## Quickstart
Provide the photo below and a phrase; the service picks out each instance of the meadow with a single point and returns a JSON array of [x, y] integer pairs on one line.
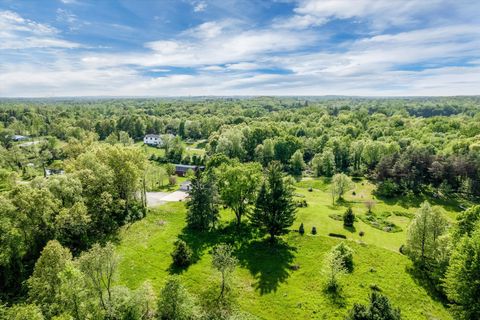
[[286, 281]]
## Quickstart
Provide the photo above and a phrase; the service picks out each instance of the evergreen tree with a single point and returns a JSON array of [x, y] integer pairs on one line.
[[301, 230], [175, 302], [378, 309], [275, 209], [348, 218], [182, 254], [203, 204]]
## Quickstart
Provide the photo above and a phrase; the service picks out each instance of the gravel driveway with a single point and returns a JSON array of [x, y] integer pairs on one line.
[[158, 198]]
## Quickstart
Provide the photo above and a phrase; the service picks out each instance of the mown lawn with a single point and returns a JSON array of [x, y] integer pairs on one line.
[[285, 281]]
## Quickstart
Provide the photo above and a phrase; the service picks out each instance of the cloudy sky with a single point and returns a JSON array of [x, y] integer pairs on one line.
[[244, 47]]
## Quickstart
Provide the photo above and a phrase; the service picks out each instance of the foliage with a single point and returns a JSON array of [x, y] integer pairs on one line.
[[463, 277], [203, 204], [274, 209], [378, 308], [182, 254], [45, 282], [224, 262], [301, 229], [424, 233], [334, 269], [341, 183], [346, 255], [175, 302], [348, 218], [238, 184]]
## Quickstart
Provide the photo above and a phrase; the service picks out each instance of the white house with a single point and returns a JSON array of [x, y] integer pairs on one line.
[[152, 139]]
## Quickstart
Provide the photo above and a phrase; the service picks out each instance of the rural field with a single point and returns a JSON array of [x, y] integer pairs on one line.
[[266, 284]]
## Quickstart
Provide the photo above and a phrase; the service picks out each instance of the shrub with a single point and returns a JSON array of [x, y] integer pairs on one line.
[[348, 218], [302, 203], [182, 254], [361, 233], [337, 235], [346, 255], [301, 230], [310, 189], [172, 180], [314, 230], [379, 308]]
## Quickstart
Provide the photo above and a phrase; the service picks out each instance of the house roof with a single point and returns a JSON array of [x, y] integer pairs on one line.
[[185, 167], [152, 136]]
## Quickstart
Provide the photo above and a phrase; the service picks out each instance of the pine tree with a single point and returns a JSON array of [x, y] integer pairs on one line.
[[348, 218], [203, 204], [275, 209], [301, 230]]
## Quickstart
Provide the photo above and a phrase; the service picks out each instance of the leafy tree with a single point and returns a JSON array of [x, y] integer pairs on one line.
[[348, 217], [369, 204], [341, 183], [296, 163], [75, 297], [324, 163], [463, 277], [346, 255], [424, 233], [466, 221], [275, 209], [175, 302], [334, 269], [99, 265], [24, 312], [44, 284], [238, 184], [378, 308], [225, 263]]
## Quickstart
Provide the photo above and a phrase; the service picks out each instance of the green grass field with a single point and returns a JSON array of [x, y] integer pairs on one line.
[[265, 284]]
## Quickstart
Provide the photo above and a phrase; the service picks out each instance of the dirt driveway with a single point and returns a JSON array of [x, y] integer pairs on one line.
[[158, 198]]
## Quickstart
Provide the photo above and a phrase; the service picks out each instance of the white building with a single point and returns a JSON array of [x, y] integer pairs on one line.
[[152, 139]]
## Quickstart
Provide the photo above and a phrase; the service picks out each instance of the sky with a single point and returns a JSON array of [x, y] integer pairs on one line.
[[61, 48]]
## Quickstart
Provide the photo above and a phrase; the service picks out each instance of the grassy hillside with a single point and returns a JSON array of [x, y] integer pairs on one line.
[[286, 282]]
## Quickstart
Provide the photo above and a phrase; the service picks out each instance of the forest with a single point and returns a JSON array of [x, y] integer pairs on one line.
[[297, 208]]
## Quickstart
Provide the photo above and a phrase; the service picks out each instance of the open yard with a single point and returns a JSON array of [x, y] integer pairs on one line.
[[286, 281]]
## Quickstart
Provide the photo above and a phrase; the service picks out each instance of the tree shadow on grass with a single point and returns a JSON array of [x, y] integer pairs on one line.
[[351, 229], [336, 298], [269, 263], [231, 234], [421, 279], [415, 201]]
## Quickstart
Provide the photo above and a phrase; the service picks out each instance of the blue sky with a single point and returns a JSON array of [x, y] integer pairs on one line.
[[247, 47]]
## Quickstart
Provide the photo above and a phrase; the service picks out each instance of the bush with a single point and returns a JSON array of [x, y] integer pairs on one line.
[[314, 230], [346, 254], [379, 308], [361, 233], [310, 189], [172, 180], [337, 235], [348, 218], [387, 189], [182, 254], [301, 230], [302, 203]]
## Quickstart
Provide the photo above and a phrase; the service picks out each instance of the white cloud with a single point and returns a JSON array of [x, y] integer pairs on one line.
[[226, 58], [380, 13], [19, 33], [199, 6]]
